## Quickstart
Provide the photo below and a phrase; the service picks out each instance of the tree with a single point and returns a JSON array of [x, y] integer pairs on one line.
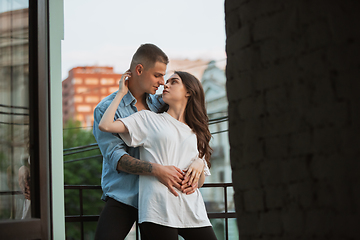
[[85, 170]]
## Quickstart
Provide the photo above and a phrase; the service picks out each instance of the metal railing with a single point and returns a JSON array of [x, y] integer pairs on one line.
[[81, 218]]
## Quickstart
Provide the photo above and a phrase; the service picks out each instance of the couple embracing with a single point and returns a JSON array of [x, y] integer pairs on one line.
[[155, 153]]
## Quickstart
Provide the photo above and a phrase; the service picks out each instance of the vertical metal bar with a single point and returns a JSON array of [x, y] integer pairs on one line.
[[137, 230], [43, 133], [12, 97], [34, 147], [81, 214], [226, 216]]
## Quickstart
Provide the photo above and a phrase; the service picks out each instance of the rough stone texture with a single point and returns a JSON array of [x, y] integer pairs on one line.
[[293, 88]]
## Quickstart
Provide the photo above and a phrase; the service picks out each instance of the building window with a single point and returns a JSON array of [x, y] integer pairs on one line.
[[78, 99], [24, 128], [77, 81], [81, 90], [83, 108], [92, 99], [91, 81], [15, 158], [113, 89], [107, 81]]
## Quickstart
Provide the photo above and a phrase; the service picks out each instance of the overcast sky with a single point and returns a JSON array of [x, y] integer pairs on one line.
[[108, 32]]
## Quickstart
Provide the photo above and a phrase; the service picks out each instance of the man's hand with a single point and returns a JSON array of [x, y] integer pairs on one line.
[[170, 176], [192, 175], [189, 189]]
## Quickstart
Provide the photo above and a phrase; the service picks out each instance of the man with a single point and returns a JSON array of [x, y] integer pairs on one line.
[[121, 164]]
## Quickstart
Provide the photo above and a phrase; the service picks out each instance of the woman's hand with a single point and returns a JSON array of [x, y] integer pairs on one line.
[[123, 83], [24, 181], [192, 175], [107, 123]]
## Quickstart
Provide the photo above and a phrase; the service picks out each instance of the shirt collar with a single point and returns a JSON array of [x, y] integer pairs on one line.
[[130, 99]]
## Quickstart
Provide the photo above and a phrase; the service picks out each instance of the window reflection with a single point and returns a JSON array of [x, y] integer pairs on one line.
[[15, 159]]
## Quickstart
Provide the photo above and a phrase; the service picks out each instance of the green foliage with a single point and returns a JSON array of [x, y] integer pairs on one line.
[[82, 172]]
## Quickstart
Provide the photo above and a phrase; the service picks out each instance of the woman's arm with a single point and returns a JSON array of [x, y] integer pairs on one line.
[[201, 180], [107, 123]]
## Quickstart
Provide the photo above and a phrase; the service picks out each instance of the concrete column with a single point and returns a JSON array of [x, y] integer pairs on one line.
[[294, 117]]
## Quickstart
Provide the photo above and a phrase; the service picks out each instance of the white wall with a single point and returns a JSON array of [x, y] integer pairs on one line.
[[56, 21]]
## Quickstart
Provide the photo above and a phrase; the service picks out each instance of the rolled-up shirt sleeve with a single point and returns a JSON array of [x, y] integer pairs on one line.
[[111, 146]]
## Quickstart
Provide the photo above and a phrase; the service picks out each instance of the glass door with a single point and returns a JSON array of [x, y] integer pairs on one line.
[[15, 161], [25, 176]]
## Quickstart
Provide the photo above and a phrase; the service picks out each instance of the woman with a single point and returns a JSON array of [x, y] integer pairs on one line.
[[170, 138]]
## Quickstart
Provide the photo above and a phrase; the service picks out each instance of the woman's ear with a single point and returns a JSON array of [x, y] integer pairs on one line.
[[187, 94], [139, 69]]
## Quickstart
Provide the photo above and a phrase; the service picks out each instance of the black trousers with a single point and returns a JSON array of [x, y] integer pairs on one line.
[[152, 231], [115, 221]]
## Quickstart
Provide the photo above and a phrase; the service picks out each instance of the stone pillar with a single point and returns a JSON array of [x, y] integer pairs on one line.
[[294, 117]]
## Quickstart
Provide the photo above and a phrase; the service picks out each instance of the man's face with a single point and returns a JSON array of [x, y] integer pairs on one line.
[[152, 78]]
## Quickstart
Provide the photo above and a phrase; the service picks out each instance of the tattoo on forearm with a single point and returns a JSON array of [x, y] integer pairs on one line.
[[133, 165]]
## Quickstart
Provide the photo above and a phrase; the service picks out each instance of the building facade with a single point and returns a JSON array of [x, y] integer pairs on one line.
[[195, 67], [84, 88], [213, 81]]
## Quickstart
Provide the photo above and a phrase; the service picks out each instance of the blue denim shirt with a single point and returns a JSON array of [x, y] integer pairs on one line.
[[119, 185]]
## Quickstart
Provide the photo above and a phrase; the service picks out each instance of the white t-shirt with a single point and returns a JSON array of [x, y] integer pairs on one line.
[[167, 141]]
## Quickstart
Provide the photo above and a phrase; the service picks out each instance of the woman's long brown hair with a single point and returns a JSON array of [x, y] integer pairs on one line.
[[195, 114]]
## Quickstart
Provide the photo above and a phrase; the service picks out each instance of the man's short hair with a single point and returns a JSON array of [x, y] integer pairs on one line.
[[147, 55]]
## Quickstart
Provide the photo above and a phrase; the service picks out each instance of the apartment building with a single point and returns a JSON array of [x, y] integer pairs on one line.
[[84, 88]]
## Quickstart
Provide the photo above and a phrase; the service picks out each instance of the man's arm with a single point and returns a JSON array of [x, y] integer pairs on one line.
[[170, 176], [113, 150]]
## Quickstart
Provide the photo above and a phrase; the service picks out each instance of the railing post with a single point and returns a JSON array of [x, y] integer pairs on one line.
[[91, 218], [137, 230], [226, 211], [81, 213]]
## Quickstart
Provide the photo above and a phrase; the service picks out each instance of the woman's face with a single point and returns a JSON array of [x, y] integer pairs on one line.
[[174, 90]]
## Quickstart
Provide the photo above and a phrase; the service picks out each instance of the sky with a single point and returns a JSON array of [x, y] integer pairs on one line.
[[108, 32]]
